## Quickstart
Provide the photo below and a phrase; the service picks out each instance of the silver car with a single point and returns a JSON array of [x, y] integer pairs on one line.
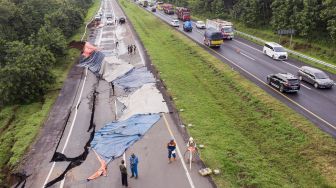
[[315, 76]]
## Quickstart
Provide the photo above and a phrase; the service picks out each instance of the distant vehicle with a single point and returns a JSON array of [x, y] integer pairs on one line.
[[97, 17], [200, 25], [175, 23], [168, 8], [122, 20], [159, 5], [187, 26], [153, 9], [213, 38], [109, 15], [275, 51], [223, 26], [145, 3], [109, 21], [183, 13], [285, 82], [315, 76]]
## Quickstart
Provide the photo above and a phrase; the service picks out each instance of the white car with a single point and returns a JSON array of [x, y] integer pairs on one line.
[[200, 25], [275, 51], [175, 23], [109, 21]]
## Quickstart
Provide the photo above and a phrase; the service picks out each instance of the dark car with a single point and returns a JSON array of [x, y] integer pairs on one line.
[[285, 82], [315, 76], [122, 20], [153, 9]]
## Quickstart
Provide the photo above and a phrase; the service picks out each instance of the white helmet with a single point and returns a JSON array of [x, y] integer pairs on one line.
[[191, 139]]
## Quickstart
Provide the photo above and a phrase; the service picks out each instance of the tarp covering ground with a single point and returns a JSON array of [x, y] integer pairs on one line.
[[145, 100], [135, 79], [114, 138]]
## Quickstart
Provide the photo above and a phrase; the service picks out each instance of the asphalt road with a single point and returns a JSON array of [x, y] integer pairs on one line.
[[318, 105], [92, 104]]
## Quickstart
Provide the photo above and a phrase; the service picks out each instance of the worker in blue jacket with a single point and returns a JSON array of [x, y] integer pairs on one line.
[[134, 165]]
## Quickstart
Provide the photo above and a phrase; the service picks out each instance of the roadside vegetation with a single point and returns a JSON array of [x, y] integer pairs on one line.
[[34, 63], [314, 22], [255, 140]]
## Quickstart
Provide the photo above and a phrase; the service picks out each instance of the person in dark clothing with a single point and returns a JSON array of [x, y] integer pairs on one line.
[[134, 165], [123, 171], [171, 146], [131, 49], [117, 44], [134, 48]]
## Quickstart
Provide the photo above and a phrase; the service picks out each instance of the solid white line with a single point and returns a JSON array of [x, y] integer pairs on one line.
[[179, 153], [247, 56], [247, 45]]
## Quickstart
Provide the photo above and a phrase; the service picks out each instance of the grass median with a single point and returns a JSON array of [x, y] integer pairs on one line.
[[255, 140], [20, 124]]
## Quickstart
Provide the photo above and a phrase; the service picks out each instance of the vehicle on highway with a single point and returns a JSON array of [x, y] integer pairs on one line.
[[97, 17], [223, 26], [109, 15], [109, 21], [183, 13], [200, 25], [168, 8], [122, 20], [315, 76], [285, 82], [213, 38], [275, 51], [153, 9], [175, 23], [159, 5], [187, 26]]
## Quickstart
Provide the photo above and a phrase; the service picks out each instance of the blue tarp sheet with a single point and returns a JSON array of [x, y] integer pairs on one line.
[[114, 138], [135, 79], [93, 62]]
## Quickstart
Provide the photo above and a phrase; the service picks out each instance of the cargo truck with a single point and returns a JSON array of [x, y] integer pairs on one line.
[[223, 26], [168, 8], [213, 37], [183, 13]]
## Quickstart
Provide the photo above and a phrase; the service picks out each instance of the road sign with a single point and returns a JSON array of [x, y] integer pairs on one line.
[[286, 32]]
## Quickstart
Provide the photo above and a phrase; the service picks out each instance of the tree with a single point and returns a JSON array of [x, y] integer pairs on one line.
[[50, 38], [328, 15], [25, 75]]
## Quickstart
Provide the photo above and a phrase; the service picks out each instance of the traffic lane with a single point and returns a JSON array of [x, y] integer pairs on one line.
[[318, 110]]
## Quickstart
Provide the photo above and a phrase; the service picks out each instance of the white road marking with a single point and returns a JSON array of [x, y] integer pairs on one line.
[[291, 64], [247, 56], [179, 153], [124, 157], [247, 45], [305, 86]]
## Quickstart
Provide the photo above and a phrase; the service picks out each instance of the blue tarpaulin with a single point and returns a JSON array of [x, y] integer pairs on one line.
[[135, 79], [93, 62], [114, 138]]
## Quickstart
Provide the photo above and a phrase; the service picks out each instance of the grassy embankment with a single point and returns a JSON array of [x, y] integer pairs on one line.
[[255, 140], [319, 49], [20, 124]]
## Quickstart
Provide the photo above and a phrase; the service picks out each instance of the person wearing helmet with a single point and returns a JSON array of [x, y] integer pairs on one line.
[[171, 146], [191, 143]]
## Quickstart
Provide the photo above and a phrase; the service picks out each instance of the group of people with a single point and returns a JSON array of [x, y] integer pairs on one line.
[[171, 146], [131, 49]]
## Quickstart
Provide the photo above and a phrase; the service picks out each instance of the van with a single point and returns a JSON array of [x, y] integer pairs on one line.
[[275, 51], [213, 38], [316, 77]]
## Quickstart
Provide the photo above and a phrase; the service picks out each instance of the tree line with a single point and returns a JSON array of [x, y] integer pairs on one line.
[[310, 18], [33, 36]]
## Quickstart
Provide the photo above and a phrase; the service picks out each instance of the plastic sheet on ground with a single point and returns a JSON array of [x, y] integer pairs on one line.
[[145, 100], [135, 79], [113, 139], [114, 68], [93, 62]]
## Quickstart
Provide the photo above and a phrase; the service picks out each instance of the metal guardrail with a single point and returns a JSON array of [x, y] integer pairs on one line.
[[290, 51]]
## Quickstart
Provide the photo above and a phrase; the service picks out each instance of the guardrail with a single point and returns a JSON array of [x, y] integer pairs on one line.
[[290, 51]]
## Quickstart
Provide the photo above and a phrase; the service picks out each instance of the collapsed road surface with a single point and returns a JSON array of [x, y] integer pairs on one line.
[[62, 155]]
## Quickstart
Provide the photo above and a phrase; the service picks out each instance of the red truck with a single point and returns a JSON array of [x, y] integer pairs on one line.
[[168, 8], [183, 13]]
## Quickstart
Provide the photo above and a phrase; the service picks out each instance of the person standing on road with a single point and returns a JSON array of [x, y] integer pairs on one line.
[[117, 44], [131, 49], [123, 172], [171, 146], [134, 48], [134, 165]]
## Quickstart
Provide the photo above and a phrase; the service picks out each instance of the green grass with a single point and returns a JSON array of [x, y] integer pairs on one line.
[[255, 140], [20, 124]]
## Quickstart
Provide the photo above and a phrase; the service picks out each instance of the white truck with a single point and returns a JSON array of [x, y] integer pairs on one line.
[[223, 26]]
